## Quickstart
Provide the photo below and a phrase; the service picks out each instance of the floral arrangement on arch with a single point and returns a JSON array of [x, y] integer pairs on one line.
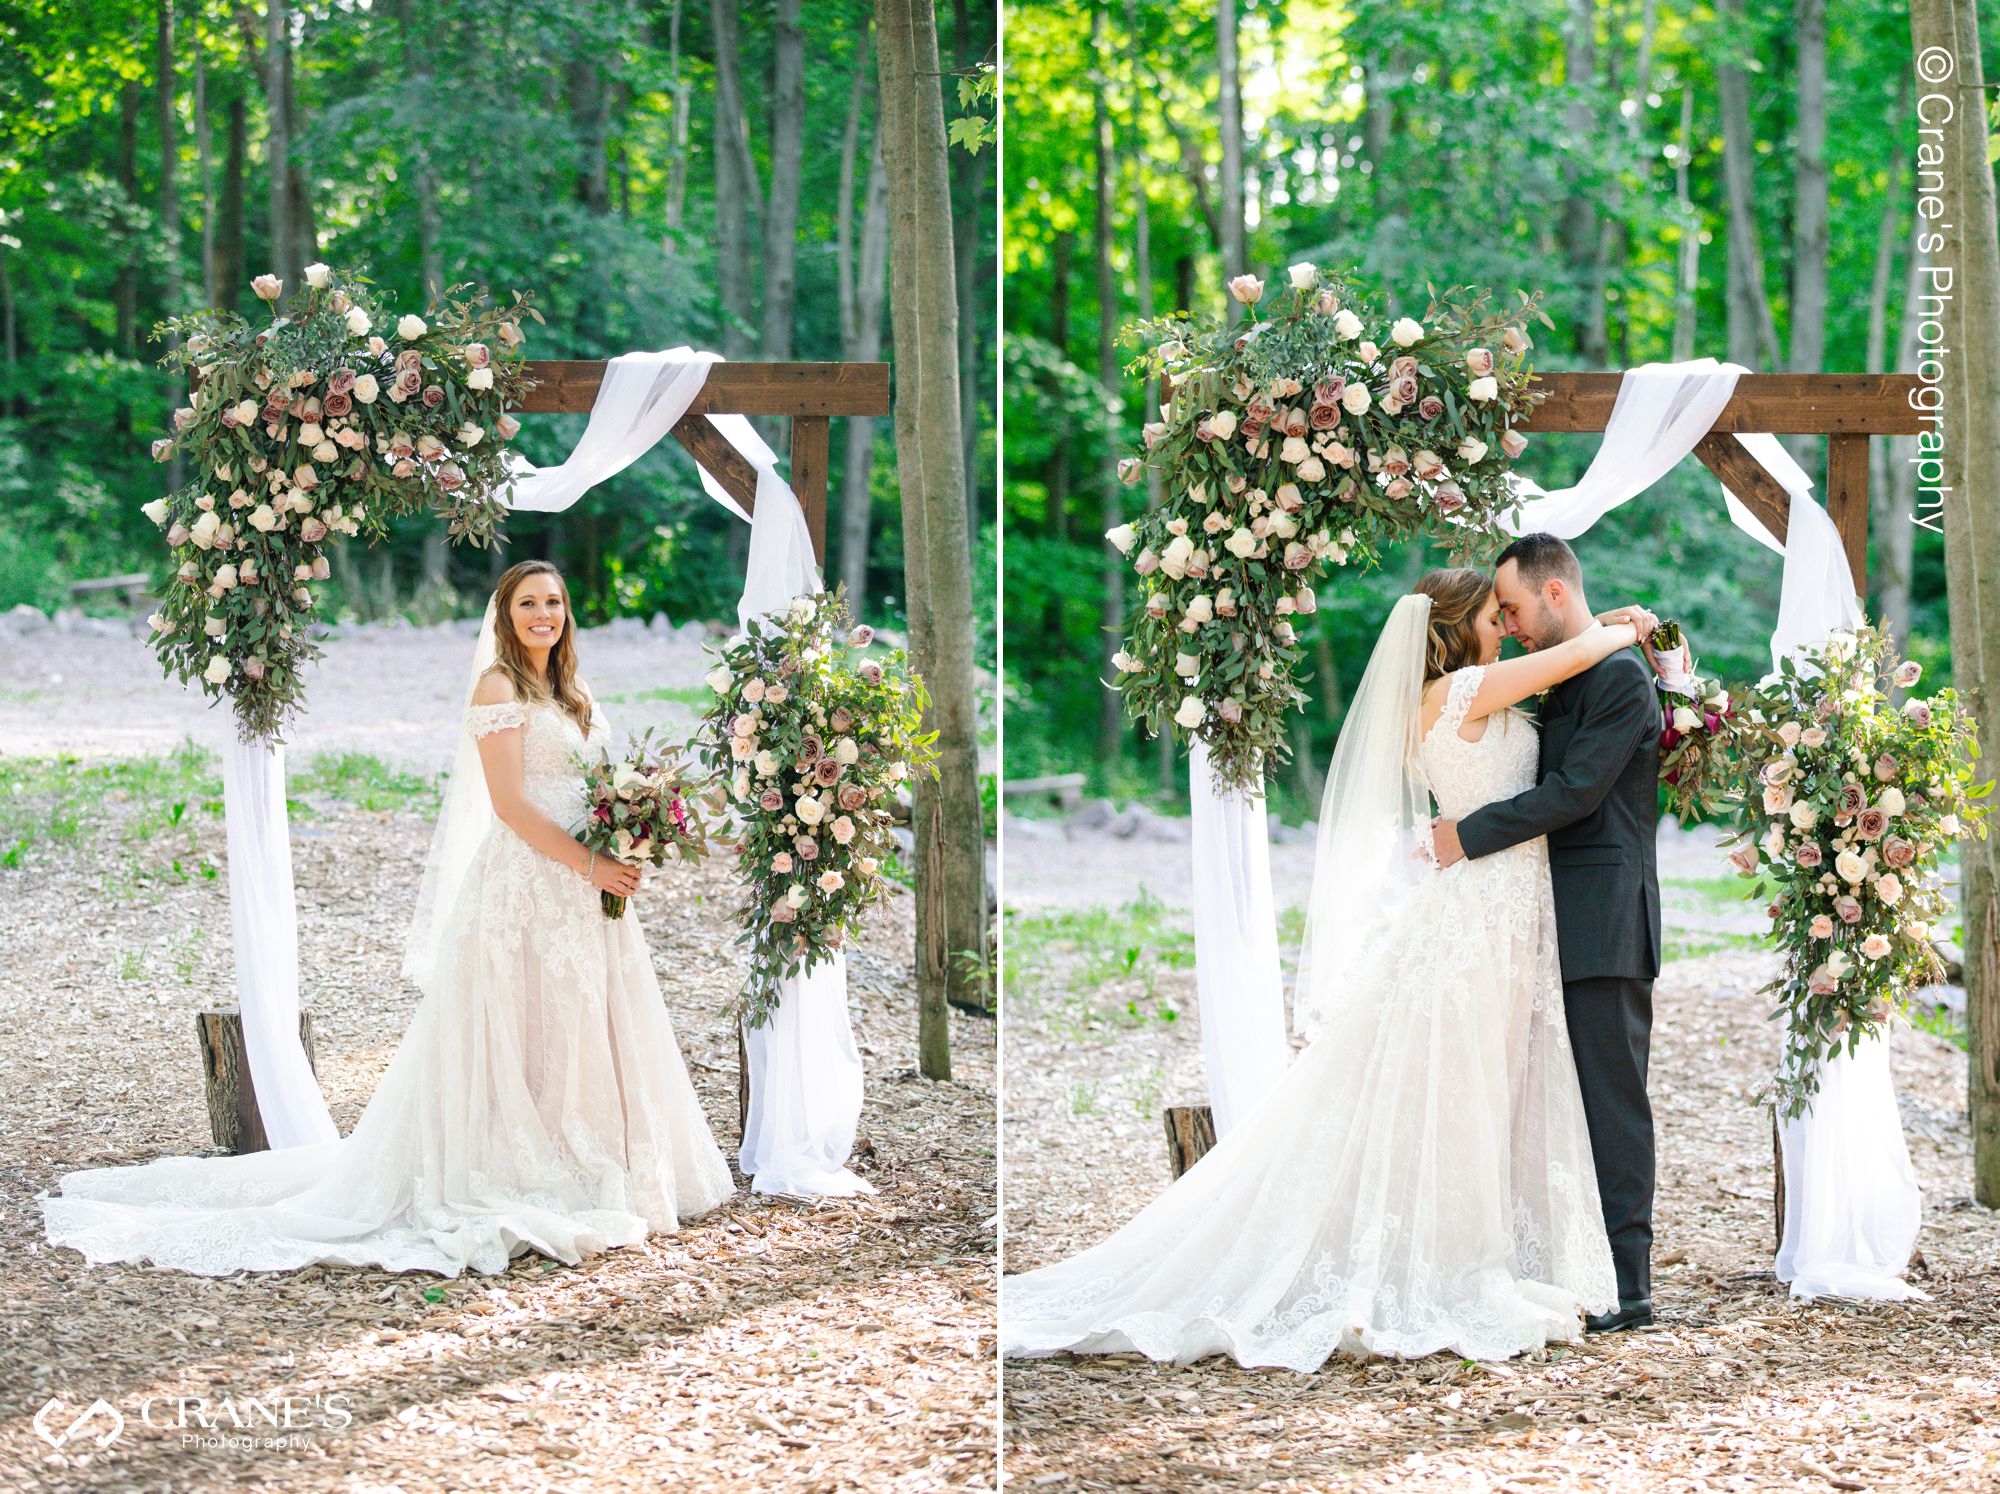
[[1313, 432], [331, 419], [1849, 803], [809, 738]]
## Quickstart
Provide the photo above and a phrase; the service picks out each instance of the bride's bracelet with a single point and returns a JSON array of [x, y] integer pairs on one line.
[[590, 865]]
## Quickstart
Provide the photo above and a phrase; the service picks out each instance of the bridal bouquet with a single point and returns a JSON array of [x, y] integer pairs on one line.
[[810, 735], [332, 418], [1849, 801], [640, 810], [1698, 729], [1313, 432]]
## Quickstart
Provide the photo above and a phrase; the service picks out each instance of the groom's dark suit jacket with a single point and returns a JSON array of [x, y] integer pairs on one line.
[[1596, 799]]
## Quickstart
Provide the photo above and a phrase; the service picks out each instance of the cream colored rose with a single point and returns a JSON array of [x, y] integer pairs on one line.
[[1248, 289], [156, 511], [809, 810], [204, 529], [1471, 449], [1804, 815], [1483, 390], [263, 518], [843, 830], [1686, 720], [218, 669], [767, 761], [479, 378], [1354, 399], [1850, 867], [831, 881], [1347, 326], [1241, 543], [1304, 275], [358, 324], [1407, 332], [366, 388], [410, 326], [1890, 801], [1122, 538], [1191, 712], [1223, 423], [796, 896]]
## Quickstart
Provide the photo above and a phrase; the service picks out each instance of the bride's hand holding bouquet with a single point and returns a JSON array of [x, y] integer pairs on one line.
[[639, 811]]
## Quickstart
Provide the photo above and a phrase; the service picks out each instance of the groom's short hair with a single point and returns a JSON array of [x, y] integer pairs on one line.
[[1541, 558]]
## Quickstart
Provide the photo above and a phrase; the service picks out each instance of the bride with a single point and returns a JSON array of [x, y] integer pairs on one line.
[[538, 1101], [1421, 1179]]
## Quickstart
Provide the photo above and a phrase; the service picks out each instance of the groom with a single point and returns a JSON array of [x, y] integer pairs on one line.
[[1595, 798]]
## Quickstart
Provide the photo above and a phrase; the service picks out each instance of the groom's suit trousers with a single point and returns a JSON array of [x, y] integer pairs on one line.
[[1610, 1031]]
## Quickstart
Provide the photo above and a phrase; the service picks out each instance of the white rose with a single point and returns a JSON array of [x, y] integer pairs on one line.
[[831, 881], [1483, 389], [1248, 289], [1201, 609], [846, 751], [1890, 801], [1223, 423], [1347, 326], [1304, 276], [720, 680], [365, 389], [263, 518], [1850, 866], [218, 669], [358, 324], [1122, 538], [809, 810], [1804, 815], [479, 378], [1406, 332], [317, 276], [1187, 666], [470, 434], [410, 327], [1124, 663], [245, 413], [1355, 399], [1685, 720], [1471, 449], [767, 762], [156, 511], [1191, 712], [215, 627]]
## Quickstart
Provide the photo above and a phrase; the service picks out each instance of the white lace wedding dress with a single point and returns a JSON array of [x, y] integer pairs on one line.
[[1420, 1180], [538, 1101]]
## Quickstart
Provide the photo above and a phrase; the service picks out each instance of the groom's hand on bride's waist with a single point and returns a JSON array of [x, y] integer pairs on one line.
[[1444, 839]]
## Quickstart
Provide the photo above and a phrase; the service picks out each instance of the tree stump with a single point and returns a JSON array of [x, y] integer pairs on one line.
[[1777, 1182], [225, 1070], [1190, 1134], [742, 1084]]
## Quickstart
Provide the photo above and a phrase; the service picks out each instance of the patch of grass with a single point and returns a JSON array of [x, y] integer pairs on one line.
[[1692, 944], [1083, 1097], [60, 800], [696, 697], [1083, 962], [1940, 1021], [365, 781]]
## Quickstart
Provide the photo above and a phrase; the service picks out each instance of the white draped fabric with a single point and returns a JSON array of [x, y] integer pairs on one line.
[[1239, 991], [1851, 1200], [803, 1121]]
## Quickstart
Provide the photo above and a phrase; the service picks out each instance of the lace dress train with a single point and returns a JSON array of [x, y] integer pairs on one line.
[[1420, 1180], [539, 1100]]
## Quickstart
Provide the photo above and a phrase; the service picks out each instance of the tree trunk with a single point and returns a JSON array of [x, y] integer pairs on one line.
[[226, 287], [1582, 241], [1809, 205], [1111, 708], [1895, 532], [971, 373], [1968, 351], [1062, 262], [1890, 582], [735, 187], [204, 155], [430, 226], [277, 139], [683, 96], [1687, 278], [171, 289], [861, 321], [10, 344], [125, 291], [1235, 259], [299, 215], [1753, 336], [781, 214], [952, 924]]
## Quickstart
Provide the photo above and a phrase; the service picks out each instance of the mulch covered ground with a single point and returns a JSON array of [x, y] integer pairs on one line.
[[769, 1345], [1737, 1388]]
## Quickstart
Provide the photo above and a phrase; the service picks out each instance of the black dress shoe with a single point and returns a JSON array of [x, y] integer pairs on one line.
[[1637, 1314]]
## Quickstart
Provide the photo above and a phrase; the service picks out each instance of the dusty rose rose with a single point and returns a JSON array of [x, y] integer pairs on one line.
[[1513, 443], [405, 468], [1203, 431], [1821, 983], [339, 404], [841, 719], [305, 479], [341, 381], [267, 287], [1329, 391], [1822, 927], [177, 534], [1809, 854], [1852, 800], [1395, 461], [872, 672], [433, 396], [1404, 390], [477, 355], [1919, 713], [321, 567], [1430, 407], [1898, 851], [253, 669], [862, 636], [1399, 488], [811, 748], [852, 797], [826, 772], [1744, 858], [807, 847], [1872, 824], [1297, 556], [1404, 367], [1886, 768], [450, 476], [410, 358], [162, 449], [771, 801], [1231, 711], [409, 382], [784, 912], [1323, 417], [1479, 362], [312, 531], [1427, 465], [1293, 422], [1447, 498], [1848, 909], [1908, 673]]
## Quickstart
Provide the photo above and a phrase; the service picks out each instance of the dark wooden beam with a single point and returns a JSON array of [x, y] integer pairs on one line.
[[724, 462], [1759, 491], [1847, 501], [1784, 404], [570, 387], [811, 440]]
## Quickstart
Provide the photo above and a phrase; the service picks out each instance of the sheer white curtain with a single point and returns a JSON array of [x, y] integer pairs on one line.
[[1851, 1200], [804, 1113]]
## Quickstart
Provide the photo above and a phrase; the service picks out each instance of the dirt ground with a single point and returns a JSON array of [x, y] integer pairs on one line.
[[846, 1345], [1736, 1388]]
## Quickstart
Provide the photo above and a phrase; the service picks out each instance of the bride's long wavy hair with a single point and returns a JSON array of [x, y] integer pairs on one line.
[[1457, 594], [511, 658]]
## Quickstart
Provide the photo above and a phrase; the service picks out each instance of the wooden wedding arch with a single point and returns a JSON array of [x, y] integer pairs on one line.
[[808, 395], [1845, 408]]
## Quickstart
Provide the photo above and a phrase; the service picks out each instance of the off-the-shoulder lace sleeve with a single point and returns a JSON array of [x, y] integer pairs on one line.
[[1464, 685], [484, 720]]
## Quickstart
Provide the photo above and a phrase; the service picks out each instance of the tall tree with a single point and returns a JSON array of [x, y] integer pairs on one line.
[[167, 93], [930, 458], [1111, 565], [1753, 335], [781, 213], [1809, 200], [861, 294], [231, 254], [125, 289], [1892, 535], [1687, 268], [736, 187], [1958, 163], [1582, 241], [277, 136], [1235, 258]]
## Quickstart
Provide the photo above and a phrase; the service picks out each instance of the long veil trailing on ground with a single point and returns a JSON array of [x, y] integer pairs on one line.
[[464, 814], [1374, 817]]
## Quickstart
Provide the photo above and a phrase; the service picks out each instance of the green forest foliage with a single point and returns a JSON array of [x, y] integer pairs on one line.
[[1462, 176], [498, 108]]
